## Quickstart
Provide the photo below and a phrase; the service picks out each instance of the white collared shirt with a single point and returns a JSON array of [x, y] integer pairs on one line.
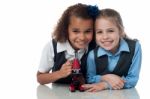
[[47, 57]]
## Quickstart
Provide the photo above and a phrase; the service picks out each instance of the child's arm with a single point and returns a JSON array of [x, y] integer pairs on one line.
[[133, 73], [91, 70], [95, 86], [115, 81], [45, 78]]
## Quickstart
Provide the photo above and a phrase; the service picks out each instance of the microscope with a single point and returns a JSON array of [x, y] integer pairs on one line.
[[76, 74]]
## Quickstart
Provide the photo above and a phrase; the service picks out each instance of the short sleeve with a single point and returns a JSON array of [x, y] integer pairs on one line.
[[46, 61]]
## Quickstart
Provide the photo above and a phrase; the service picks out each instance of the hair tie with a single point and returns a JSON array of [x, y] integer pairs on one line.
[[93, 11]]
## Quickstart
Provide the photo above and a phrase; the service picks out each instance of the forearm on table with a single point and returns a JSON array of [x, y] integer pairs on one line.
[[45, 78]]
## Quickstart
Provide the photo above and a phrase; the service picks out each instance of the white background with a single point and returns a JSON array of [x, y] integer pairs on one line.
[[26, 26]]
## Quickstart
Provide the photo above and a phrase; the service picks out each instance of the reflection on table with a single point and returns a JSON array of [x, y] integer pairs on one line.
[[61, 91]]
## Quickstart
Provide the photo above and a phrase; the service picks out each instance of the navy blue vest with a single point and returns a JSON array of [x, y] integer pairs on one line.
[[123, 64], [59, 59]]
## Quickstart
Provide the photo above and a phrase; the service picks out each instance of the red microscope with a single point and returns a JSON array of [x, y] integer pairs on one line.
[[76, 73]]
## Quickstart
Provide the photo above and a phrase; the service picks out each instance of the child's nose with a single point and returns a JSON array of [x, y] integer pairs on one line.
[[82, 36], [105, 36]]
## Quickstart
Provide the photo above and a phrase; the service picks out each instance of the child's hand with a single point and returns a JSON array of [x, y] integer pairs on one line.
[[95, 87], [115, 81], [66, 69]]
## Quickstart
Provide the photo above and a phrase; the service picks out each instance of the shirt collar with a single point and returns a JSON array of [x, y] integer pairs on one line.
[[123, 47], [65, 46]]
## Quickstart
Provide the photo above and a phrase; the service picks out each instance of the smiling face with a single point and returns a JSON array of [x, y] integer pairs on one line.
[[107, 34], [80, 32]]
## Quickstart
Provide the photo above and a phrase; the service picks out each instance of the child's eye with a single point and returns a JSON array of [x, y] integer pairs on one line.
[[76, 31], [110, 30], [99, 32], [88, 31]]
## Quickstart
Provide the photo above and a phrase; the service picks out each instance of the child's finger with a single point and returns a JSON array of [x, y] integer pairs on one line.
[[91, 90], [86, 86], [68, 63]]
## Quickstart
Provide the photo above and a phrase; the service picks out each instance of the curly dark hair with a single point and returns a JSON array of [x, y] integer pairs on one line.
[[60, 33]]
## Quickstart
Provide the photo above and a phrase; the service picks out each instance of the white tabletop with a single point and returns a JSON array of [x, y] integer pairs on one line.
[[59, 91]]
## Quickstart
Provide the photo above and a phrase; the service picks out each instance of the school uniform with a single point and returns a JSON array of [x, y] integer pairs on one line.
[[126, 63], [55, 54]]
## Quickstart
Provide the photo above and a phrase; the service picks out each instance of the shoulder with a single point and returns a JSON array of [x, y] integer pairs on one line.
[[129, 40], [138, 46], [132, 42], [48, 48], [48, 45], [136, 43]]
